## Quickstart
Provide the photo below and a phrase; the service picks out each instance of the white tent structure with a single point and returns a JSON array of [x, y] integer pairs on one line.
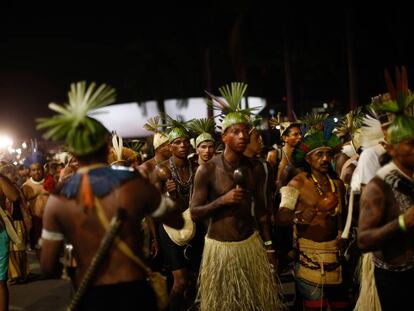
[[128, 119]]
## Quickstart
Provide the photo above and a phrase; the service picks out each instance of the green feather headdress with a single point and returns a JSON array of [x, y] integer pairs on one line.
[[317, 139], [231, 112], [400, 103], [83, 134], [204, 129]]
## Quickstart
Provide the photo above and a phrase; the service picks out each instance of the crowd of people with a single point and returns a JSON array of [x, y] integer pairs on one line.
[[222, 217]]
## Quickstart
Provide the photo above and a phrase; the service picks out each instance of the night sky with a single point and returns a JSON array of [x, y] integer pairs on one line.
[[166, 52]]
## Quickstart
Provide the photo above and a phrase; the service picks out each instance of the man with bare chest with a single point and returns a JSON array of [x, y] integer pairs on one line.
[[161, 149], [313, 203], [175, 178], [36, 196], [235, 273]]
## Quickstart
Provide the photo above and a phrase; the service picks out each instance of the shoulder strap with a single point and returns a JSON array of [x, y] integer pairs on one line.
[[279, 154], [123, 247], [8, 224]]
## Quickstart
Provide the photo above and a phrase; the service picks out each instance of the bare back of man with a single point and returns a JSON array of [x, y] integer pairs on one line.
[[147, 169], [84, 230]]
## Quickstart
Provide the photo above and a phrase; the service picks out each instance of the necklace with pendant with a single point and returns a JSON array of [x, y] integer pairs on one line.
[[318, 186], [227, 164], [322, 193]]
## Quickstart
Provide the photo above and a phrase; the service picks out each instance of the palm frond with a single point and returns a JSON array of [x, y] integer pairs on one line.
[[154, 124], [351, 122], [170, 123], [82, 99], [233, 94], [204, 125], [72, 123], [136, 145], [312, 119]]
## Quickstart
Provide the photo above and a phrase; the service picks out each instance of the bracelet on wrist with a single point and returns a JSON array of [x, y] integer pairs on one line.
[[267, 243], [270, 251], [401, 223]]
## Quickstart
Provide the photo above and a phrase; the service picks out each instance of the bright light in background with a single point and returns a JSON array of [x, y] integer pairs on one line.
[[5, 142], [24, 145], [335, 120]]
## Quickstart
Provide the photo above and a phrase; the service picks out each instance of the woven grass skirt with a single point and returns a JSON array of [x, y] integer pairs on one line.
[[237, 276]]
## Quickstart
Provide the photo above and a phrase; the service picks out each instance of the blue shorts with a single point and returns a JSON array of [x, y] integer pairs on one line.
[[317, 296], [4, 254]]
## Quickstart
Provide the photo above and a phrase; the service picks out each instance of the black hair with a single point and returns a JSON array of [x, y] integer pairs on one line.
[[100, 155]]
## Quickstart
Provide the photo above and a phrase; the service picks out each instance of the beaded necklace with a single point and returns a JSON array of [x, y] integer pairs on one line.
[[183, 188], [319, 188], [321, 192]]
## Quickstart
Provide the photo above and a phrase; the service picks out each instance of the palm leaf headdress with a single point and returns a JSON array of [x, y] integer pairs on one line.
[[203, 128], [155, 125], [282, 126], [400, 103], [174, 128], [350, 123], [312, 122], [82, 133], [230, 107]]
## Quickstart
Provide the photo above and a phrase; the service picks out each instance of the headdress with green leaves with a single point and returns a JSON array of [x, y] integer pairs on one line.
[[318, 139], [204, 128], [231, 111], [349, 128], [83, 134], [283, 126], [400, 103], [154, 125], [174, 128]]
